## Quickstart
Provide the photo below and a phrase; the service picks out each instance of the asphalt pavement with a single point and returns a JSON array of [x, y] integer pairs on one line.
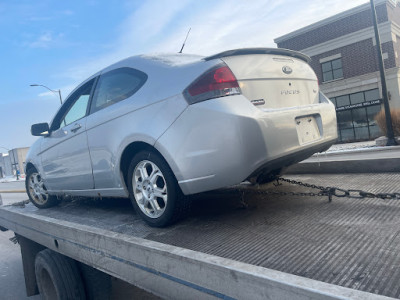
[[11, 274], [12, 284], [12, 186]]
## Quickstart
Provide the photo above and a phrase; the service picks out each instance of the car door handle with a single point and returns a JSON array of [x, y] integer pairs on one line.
[[76, 127]]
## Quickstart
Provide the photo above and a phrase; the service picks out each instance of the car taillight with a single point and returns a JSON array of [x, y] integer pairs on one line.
[[217, 82]]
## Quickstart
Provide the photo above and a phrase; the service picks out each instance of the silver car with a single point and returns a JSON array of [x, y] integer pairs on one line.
[[157, 128]]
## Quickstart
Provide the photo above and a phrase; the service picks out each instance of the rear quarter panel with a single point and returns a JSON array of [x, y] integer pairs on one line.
[[143, 117], [112, 129]]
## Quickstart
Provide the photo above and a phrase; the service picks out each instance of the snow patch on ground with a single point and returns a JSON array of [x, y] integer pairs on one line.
[[352, 146], [11, 179]]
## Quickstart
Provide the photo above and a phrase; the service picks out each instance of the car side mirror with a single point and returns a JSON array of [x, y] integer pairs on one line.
[[40, 129]]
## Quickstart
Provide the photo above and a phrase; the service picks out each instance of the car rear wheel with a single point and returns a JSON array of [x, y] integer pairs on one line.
[[154, 191], [37, 191]]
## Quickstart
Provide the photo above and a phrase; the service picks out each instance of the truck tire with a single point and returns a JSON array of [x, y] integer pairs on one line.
[[37, 191], [58, 277], [97, 283], [154, 191]]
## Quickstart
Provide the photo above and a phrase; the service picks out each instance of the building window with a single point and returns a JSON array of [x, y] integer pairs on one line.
[[332, 70], [355, 115]]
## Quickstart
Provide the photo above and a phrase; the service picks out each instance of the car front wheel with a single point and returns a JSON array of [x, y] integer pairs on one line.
[[154, 191], [37, 191]]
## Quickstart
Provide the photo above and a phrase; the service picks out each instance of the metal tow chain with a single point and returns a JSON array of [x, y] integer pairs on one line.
[[339, 192], [326, 191]]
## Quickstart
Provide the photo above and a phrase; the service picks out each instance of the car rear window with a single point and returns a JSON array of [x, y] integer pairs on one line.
[[115, 86]]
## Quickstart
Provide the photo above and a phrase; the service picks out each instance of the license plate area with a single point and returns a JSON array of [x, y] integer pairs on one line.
[[307, 129]]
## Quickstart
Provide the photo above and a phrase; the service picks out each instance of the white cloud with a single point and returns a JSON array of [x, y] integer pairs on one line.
[[43, 41], [46, 94], [250, 24], [137, 34], [40, 19], [161, 26], [68, 12], [65, 91]]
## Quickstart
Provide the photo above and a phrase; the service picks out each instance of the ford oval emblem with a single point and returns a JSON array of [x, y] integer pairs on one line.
[[287, 70]]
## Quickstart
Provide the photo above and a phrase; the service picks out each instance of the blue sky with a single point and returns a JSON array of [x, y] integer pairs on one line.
[[60, 43]]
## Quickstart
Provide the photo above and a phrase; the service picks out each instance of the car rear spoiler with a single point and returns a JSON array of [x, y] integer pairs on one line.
[[275, 51]]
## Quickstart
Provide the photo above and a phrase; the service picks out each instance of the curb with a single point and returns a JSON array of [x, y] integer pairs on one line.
[[357, 151], [12, 191], [384, 165], [364, 160]]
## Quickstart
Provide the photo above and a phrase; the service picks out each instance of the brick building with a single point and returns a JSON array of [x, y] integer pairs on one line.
[[344, 57]]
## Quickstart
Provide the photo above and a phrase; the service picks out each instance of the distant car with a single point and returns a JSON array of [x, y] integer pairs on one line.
[[156, 128]]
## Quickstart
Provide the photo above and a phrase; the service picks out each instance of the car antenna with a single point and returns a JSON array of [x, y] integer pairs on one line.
[[185, 40]]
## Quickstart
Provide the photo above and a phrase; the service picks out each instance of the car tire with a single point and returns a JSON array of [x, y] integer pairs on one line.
[[154, 190], [58, 276], [37, 191]]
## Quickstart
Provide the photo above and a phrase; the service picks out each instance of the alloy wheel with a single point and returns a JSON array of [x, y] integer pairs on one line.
[[150, 189], [37, 190]]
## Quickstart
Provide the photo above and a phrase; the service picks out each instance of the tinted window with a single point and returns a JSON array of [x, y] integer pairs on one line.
[[372, 95], [78, 103], [342, 100], [77, 111], [74, 107], [115, 86], [357, 98]]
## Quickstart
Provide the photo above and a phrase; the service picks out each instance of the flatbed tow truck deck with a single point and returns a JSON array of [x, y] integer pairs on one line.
[[237, 245]]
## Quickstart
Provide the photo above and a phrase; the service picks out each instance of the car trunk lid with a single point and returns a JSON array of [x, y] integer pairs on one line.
[[273, 78]]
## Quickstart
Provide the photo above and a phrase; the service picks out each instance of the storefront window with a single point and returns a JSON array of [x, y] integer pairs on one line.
[[347, 135], [355, 115], [357, 98], [344, 119], [359, 117], [372, 111], [371, 95], [342, 100], [361, 133]]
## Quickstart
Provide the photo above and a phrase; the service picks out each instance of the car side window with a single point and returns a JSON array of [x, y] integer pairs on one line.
[[115, 86], [77, 108], [77, 111]]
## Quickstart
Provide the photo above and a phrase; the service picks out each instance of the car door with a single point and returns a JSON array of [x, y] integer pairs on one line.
[[114, 97], [65, 154]]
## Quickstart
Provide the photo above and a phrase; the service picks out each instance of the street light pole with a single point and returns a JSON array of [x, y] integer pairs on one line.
[[15, 163], [59, 94], [54, 91], [390, 133]]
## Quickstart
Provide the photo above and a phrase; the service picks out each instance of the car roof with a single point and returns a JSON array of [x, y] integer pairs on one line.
[[163, 60], [173, 59]]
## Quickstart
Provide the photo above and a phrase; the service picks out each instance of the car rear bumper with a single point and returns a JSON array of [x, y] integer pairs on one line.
[[222, 142]]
